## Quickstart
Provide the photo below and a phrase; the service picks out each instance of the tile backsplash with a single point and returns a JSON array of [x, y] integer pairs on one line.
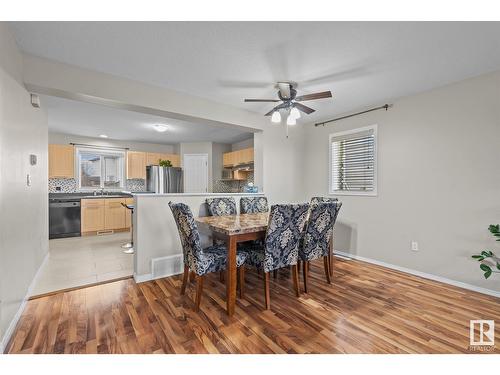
[[69, 185], [231, 186], [62, 185]]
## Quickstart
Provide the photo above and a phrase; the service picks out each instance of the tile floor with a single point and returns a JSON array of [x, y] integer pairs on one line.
[[80, 261]]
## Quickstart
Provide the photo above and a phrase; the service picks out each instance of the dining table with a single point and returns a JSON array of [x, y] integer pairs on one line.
[[234, 229]]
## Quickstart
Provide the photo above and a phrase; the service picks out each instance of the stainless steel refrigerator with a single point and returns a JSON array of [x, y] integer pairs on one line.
[[163, 180]]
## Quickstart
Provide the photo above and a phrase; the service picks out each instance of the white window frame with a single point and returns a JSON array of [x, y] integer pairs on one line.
[[374, 192], [100, 150]]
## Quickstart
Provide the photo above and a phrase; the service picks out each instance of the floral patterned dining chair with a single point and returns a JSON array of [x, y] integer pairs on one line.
[[253, 205], [318, 236], [281, 245], [317, 200], [221, 206], [196, 258]]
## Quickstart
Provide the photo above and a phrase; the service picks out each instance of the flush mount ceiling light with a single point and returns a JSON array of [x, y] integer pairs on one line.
[[160, 128], [103, 136]]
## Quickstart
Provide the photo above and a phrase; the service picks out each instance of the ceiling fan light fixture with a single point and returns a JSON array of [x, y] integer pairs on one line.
[[291, 120], [295, 113], [276, 117]]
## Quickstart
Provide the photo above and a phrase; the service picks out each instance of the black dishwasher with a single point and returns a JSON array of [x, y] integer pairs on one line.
[[64, 218]]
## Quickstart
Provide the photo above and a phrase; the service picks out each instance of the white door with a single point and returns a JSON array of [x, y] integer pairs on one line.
[[195, 173]]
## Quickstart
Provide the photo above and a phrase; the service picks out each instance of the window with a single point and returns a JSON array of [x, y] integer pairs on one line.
[[100, 168], [353, 162]]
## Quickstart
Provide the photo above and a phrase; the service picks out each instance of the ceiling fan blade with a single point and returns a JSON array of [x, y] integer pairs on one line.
[[278, 107], [284, 89], [262, 100], [303, 108], [317, 95]]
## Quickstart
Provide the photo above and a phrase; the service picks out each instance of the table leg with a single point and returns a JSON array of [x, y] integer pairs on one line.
[[231, 275]]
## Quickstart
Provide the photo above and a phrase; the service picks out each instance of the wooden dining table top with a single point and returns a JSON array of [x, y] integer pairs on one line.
[[236, 224]]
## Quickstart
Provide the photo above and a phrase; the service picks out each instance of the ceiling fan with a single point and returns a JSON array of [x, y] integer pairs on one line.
[[290, 102]]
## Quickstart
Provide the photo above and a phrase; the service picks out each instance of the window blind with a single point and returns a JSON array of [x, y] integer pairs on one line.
[[353, 162]]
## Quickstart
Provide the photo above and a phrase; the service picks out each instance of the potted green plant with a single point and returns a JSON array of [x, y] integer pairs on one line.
[[165, 163], [490, 263]]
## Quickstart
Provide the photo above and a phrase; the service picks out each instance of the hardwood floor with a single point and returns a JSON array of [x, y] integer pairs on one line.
[[366, 309]]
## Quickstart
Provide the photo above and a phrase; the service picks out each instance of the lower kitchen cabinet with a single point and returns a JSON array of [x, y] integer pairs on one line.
[[104, 215], [114, 214], [92, 215]]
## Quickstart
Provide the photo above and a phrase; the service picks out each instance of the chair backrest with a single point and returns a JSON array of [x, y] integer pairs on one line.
[[319, 229], [285, 229], [190, 237], [221, 206], [317, 200], [253, 205]]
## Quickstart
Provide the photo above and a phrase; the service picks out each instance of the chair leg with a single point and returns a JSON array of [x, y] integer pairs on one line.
[[295, 273], [221, 276], [326, 261], [275, 274], [241, 276], [331, 258], [305, 270], [192, 276], [199, 289], [184, 280], [266, 290]]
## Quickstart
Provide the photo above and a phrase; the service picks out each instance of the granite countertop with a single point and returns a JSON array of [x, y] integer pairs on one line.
[[89, 195], [236, 224]]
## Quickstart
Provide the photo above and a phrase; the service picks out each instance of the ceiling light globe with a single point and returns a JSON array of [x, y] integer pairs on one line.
[[295, 113], [291, 120], [276, 117]]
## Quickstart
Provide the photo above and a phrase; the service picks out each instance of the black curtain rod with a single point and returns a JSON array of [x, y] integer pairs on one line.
[[95, 146], [385, 106]]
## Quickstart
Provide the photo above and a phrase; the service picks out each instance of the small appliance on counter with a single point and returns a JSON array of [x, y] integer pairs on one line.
[[162, 180], [250, 188]]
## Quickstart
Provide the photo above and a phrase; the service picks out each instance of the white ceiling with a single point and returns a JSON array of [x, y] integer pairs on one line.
[[362, 63], [91, 120]]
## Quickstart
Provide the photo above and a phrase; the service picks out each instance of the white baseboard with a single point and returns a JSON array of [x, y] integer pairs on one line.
[[142, 278], [12, 326], [421, 274]]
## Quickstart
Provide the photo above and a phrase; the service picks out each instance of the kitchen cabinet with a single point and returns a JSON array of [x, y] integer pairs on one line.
[[136, 164], [61, 161], [153, 158], [240, 174], [114, 214], [104, 215], [92, 215], [245, 156]]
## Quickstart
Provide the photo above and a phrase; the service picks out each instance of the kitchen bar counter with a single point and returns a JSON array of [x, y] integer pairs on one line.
[[158, 250]]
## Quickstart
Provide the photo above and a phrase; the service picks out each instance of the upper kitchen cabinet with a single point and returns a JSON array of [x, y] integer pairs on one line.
[[153, 158], [245, 156], [136, 164], [61, 161]]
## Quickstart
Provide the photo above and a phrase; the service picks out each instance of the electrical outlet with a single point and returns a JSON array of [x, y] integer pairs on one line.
[[414, 246]]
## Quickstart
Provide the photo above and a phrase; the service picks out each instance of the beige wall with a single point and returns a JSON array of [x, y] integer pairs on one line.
[[218, 150], [23, 209], [246, 143], [438, 181], [59, 138]]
